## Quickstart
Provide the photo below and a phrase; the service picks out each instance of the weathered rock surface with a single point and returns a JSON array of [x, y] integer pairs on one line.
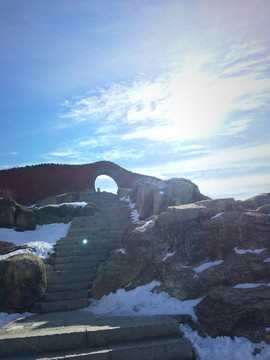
[[13, 215], [192, 250], [256, 201], [8, 247], [229, 311], [22, 282], [152, 196], [63, 213]]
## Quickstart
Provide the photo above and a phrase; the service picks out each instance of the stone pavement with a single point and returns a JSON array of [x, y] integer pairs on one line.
[[81, 335]]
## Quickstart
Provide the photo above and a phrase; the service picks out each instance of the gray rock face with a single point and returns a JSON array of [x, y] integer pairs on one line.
[[192, 250], [13, 215], [63, 213], [152, 196], [236, 312], [7, 247], [256, 201], [22, 282]]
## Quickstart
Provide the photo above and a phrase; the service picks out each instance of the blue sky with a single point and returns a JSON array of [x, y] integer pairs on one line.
[[171, 88]]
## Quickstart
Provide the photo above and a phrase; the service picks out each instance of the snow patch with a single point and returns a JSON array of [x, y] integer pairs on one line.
[[169, 254], [147, 225], [266, 260], [217, 215], [250, 286], [45, 233], [225, 348], [76, 204], [134, 215], [141, 301], [122, 251], [207, 265], [6, 318], [246, 251]]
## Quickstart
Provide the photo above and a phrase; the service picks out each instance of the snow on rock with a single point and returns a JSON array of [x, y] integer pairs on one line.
[[42, 239], [134, 215], [250, 286], [47, 233], [80, 204], [148, 224], [141, 301], [5, 318], [225, 348], [246, 251], [169, 254], [122, 251], [217, 215], [207, 265], [266, 260]]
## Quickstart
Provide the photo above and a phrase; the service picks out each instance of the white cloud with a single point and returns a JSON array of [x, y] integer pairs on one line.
[[188, 103]]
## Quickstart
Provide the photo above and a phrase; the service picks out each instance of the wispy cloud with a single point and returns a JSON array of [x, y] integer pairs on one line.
[[186, 103], [86, 150]]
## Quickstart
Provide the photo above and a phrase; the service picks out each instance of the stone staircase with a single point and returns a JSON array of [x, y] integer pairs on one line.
[[79, 335], [72, 268]]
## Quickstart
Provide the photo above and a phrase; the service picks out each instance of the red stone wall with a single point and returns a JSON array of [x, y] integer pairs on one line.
[[33, 183]]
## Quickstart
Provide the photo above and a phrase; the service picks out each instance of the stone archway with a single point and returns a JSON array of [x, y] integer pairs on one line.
[[115, 172], [33, 183]]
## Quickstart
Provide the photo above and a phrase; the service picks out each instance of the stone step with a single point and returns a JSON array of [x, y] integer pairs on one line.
[[65, 295], [65, 266], [71, 267], [97, 243], [105, 231], [160, 349], [56, 306], [81, 253], [144, 337], [73, 259], [67, 277], [90, 246], [79, 285]]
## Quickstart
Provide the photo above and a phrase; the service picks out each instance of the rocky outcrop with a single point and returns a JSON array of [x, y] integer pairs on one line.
[[152, 196], [14, 215], [229, 311], [193, 250], [63, 213], [256, 201], [7, 247], [22, 282]]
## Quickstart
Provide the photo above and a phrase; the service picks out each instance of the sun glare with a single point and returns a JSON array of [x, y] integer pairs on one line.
[[194, 106]]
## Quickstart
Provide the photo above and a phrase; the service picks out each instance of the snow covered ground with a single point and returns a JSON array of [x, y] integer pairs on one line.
[[42, 239], [141, 301]]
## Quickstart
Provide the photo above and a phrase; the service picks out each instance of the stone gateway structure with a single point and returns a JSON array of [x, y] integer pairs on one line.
[[33, 183]]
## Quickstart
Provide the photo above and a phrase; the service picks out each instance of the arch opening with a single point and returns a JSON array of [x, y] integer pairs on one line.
[[106, 183]]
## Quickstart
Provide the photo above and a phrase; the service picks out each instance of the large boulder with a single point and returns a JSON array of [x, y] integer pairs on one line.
[[152, 195], [256, 201], [14, 215], [129, 267], [24, 219], [22, 282], [62, 213], [8, 247], [229, 311]]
